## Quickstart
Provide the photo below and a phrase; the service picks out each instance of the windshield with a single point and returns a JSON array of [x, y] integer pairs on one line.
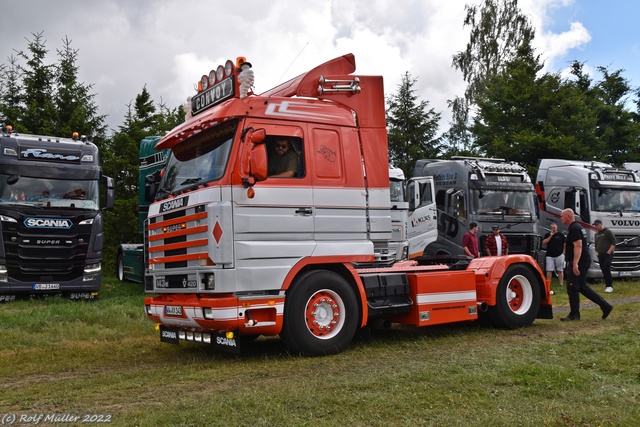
[[615, 199], [503, 202], [59, 193], [199, 159]]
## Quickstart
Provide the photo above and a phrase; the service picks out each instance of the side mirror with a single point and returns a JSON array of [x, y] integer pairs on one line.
[[413, 195], [257, 136], [254, 160], [110, 192], [258, 162], [151, 182]]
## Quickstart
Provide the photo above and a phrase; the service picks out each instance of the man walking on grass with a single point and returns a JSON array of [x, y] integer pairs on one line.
[[605, 245], [578, 260]]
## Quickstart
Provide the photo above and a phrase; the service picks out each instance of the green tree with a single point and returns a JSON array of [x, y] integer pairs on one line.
[[616, 128], [11, 95], [75, 105], [40, 115], [411, 127], [498, 30], [121, 161], [525, 117], [168, 118]]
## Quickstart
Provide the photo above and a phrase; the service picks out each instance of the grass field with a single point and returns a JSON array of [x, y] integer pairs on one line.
[[104, 359]]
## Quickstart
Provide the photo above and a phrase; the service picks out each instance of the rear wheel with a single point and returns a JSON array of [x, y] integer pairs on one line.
[[517, 298], [321, 314]]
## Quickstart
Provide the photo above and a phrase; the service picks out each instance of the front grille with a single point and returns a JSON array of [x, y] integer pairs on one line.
[[627, 254], [177, 239], [46, 255]]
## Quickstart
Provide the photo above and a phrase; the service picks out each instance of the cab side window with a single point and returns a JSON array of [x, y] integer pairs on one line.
[[426, 197], [286, 159]]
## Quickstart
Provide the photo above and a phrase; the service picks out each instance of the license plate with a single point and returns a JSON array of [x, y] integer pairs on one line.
[[46, 286], [173, 310], [179, 281]]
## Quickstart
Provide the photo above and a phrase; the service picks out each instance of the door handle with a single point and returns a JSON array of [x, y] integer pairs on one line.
[[304, 211]]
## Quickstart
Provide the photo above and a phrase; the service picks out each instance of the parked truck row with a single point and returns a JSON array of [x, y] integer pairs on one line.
[[230, 253]]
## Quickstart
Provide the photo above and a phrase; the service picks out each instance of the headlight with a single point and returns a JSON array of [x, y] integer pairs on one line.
[[92, 268], [210, 281]]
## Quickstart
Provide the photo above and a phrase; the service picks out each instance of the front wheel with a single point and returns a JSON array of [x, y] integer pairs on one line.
[[321, 314], [517, 298], [120, 267]]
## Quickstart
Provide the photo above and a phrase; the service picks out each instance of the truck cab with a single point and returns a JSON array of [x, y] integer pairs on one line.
[[51, 205], [594, 190], [130, 257], [413, 214], [486, 191], [235, 249]]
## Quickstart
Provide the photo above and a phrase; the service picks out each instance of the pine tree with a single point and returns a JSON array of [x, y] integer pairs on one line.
[[11, 95], [75, 105], [121, 161], [39, 116], [411, 127], [615, 128]]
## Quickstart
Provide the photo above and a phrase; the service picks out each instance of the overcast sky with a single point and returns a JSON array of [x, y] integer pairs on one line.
[[168, 45]]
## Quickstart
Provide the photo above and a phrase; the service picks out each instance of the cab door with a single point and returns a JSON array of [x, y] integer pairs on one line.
[[281, 209], [422, 224]]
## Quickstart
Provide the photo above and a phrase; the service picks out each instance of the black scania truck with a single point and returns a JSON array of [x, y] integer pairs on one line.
[[50, 216]]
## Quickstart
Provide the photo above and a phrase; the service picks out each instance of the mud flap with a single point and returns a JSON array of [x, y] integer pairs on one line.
[[545, 312]]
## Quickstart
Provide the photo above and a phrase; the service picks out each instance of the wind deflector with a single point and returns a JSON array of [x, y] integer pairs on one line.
[[307, 84]]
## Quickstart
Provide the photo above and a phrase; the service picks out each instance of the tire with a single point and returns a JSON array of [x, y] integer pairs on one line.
[[321, 314], [247, 340], [120, 267], [517, 298]]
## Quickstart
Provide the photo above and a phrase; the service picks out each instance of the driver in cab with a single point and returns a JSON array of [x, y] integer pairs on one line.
[[283, 161]]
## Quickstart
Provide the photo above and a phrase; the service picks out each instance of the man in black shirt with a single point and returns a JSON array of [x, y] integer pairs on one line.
[[605, 245], [578, 261], [554, 260]]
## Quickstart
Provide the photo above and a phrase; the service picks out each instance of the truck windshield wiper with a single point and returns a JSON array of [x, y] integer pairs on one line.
[[161, 192], [190, 181]]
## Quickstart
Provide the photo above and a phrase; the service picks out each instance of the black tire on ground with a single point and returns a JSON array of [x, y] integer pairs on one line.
[[517, 298], [321, 314], [247, 340]]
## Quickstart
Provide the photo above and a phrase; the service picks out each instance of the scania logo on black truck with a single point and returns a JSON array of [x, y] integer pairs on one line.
[[48, 223], [174, 204]]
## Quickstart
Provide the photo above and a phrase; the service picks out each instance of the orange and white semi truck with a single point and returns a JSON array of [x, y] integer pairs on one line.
[[232, 253]]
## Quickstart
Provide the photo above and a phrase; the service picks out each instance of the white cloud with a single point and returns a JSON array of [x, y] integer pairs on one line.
[[167, 45]]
